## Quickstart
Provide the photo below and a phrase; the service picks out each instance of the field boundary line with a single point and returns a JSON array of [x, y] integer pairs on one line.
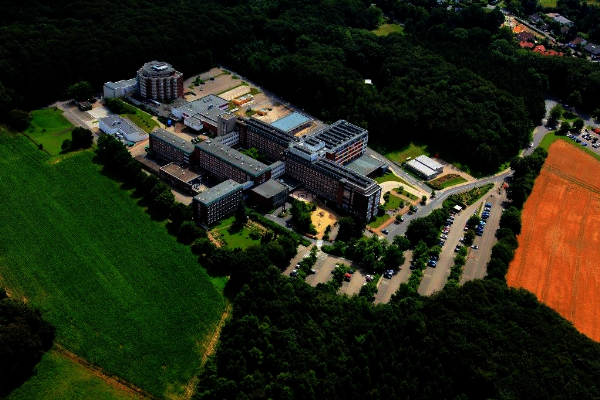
[[572, 179], [110, 379], [209, 349]]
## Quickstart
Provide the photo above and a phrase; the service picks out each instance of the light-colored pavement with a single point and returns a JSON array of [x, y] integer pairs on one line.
[[353, 287], [302, 251], [434, 279], [387, 287], [477, 260]]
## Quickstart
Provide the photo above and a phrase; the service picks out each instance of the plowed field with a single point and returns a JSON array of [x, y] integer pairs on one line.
[[558, 257]]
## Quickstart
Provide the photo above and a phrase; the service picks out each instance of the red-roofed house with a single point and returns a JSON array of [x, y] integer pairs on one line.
[[539, 49], [526, 45]]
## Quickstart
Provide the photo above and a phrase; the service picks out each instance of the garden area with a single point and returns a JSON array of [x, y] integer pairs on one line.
[[229, 234], [470, 196], [49, 129], [445, 181], [391, 177]]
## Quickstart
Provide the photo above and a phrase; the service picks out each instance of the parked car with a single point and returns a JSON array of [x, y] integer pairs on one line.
[[441, 243], [347, 277], [479, 233], [475, 247], [294, 273], [488, 204], [432, 263], [385, 231], [584, 144]]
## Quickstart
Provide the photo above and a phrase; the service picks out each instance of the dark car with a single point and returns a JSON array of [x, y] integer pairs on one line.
[[294, 273]]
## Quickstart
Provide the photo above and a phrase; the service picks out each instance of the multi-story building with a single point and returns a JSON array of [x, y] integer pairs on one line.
[[269, 195], [120, 88], [348, 189], [217, 202], [209, 112], [292, 124], [267, 139], [159, 81], [344, 141], [223, 162], [179, 176], [171, 147]]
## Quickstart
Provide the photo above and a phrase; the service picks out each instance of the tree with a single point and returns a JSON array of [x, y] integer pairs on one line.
[[203, 246], [511, 219], [555, 114], [163, 203], [575, 99], [402, 242], [240, 214], [66, 145], [473, 220], [578, 124], [188, 232], [81, 138], [19, 119], [564, 127], [469, 237], [423, 199], [393, 257], [180, 213], [81, 91]]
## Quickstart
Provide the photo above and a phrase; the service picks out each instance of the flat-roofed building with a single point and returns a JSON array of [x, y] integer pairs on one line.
[[332, 181], [159, 81], [180, 176], [120, 88], [114, 124], [422, 170], [209, 112], [217, 202], [277, 169], [292, 124], [344, 141], [223, 162], [171, 147], [267, 139], [368, 166], [269, 195], [431, 163]]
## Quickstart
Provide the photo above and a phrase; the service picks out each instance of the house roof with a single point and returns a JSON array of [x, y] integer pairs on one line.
[[173, 140], [290, 122], [269, 189], [527, 45], [592, 48]]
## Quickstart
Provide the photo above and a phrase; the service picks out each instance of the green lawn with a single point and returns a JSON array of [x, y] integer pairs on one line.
[[143, 120], [446, 183], [58, 378], [393, 203], [552, 136], [379, 221], [234, 237], [411, 151], [49, 128], [121, 291], [386, 29], [390, 177], [548, 3]]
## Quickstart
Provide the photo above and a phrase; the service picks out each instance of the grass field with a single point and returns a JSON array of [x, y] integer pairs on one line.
[[548, 3], [390, 177], [49, 128], [233, 236], [394, 202], [58, 378], [386, 29], [379, 221], [559, 245], [123, 294], [143, 120], [411, 151], [551, 137]]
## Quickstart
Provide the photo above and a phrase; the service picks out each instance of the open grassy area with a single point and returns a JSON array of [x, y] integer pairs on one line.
[[548, 3], [58, 378], [386, 29], [143, 120], [49, 128], [121, 291], [393, 203], [233, 236], [411, 151], [379, 221], [390, 177]]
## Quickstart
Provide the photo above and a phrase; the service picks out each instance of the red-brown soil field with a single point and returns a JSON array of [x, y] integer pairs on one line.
[[558, 257]]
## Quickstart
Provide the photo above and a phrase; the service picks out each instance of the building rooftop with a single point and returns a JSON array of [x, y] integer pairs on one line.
[[213, 194], [290, 122], [592, 48], [339, 134], [340, 172], [269, 189], [121, 84], [424, 169], [233, 157], [431, 163], [173, 140], [365, 164], [178, 172], [274, 133], [209, 107], [128, 128], [157, 68]]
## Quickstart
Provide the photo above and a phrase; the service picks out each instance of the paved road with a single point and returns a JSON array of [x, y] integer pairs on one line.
[[434, 279], [399, 171], [477, 260], [387, 287], [353, 287]]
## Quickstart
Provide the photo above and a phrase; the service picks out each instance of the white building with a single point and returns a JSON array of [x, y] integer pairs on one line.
[[113, 124], [425, 167], [120, 88]]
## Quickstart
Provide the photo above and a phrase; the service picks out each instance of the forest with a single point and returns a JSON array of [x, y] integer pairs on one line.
[[455, 81]]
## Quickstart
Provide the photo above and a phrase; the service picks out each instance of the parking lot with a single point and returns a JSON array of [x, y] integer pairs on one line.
[[476, 266], [387, 287], [356, 282]]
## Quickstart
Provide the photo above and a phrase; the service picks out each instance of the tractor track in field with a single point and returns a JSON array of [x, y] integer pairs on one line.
[[572, 179]]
